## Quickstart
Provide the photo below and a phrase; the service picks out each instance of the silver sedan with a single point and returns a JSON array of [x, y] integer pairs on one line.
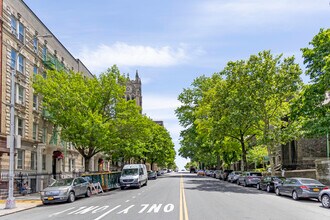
[[65, 190], [299, 188]]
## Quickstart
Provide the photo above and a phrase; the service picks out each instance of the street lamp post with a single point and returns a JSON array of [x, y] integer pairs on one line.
[[10, 202]]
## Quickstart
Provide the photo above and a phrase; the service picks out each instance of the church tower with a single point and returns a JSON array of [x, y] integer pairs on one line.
[[134, 90]]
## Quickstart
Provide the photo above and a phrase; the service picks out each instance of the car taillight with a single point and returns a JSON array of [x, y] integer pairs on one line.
[[325, 188], [304, 187]]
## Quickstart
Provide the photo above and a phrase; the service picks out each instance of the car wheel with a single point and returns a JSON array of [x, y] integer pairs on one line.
[[258, 186], [295, 195], [244, 184], [122, 187], [88, 193], [72, 197], [139, 185], [325, 199], [146, 183], [238, 182], [277, 192], [268, 188]]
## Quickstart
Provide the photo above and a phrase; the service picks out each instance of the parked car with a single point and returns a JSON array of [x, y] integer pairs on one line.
[[193, 170], [324, 197], [269, 183], [201, 173], [65, 190], [152, 175], [209, 173], [249, 178], [133, 175], [233, 176], [217, 174], [300, 188], [225, 174]]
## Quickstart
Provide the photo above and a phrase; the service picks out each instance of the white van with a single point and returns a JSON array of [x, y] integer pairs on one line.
[[133, 175]]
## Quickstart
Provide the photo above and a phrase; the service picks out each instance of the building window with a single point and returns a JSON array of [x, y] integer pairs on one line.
[[21, 32], [13, 25], [44, 53], [35, 102], [44, 135], [20, 94], [35, 45], [35, 70], [21, 60], [17, 25], [35, 131], [72, 165], [13, 59], [20, 159], [19, 128], [44, 161], [20, 67], [33, 160]]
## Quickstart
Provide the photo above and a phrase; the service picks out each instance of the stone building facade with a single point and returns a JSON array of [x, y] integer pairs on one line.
[[134, 89], [42, 154], [301, 154]]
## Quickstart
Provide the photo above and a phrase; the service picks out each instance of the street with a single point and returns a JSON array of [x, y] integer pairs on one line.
[[181, 196]]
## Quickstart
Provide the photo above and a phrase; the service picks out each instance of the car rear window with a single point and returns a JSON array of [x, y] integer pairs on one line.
[[255, 174], [310, 182]]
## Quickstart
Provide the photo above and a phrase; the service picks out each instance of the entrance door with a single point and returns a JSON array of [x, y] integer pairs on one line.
[[54, 167]]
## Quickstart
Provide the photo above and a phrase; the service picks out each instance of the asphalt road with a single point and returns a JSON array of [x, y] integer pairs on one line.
[[181, 196]]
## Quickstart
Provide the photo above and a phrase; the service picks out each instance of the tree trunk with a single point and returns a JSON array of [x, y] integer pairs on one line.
[[218, 162], [270, 155], [87, 160], [244, 163], [151, 165]]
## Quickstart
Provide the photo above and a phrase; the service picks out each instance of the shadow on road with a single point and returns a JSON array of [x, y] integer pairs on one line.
[[207, 184]]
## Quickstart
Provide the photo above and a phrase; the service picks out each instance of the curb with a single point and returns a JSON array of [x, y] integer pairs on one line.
[[23, 201], [21, 210]]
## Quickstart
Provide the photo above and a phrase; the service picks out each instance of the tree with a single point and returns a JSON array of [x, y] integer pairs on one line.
[[313, 105], [233, 110], [191, 142], [274, 83], [83, 108]]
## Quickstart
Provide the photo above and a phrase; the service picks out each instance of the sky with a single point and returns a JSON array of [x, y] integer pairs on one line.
[[172, 42]]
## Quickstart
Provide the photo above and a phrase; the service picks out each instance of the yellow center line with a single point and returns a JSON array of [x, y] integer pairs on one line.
[[183, 204]]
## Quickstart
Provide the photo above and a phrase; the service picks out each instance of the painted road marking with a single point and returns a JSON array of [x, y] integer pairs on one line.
[[98, 218], [183, 203], [57, 213], [127, 200], [125, 211], [94, 210]]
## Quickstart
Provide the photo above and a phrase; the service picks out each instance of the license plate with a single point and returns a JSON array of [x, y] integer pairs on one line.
[[50, 198], [127, 185], [316, 190]]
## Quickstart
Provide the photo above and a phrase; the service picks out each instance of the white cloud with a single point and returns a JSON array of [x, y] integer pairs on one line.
[[236, 14], [123, 54], [159, 102]]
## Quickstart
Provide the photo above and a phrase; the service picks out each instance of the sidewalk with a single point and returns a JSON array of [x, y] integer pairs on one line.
[[22, 203]]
